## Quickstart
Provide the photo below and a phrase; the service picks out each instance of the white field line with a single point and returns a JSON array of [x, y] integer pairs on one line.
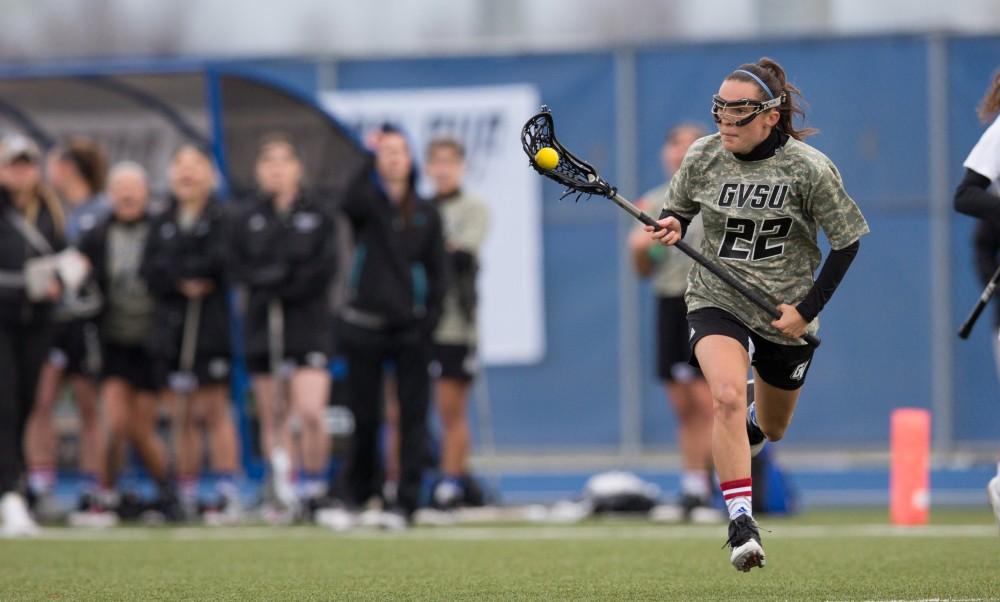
[[525, 533], [927, 600]]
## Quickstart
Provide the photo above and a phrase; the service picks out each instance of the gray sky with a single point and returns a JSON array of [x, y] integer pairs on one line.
[[99, 28]]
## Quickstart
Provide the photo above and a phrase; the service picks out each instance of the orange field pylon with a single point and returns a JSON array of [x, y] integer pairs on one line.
[[909, 477]]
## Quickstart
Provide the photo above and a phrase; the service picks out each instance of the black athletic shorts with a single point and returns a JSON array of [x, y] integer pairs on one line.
[[673, 352], [781, 366], [456, 362], [76, 348], [133, 364], [311, 359], [208, 370]]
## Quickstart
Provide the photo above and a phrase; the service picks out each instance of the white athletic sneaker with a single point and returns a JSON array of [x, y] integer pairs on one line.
[[229, 511], [568, 512], [392, 520], [17, 522], [705, 515], [430, 517], [370, 517], [447, 495], [96, 511], [47, 508], [281, 478], [93, 520], [336, 518], [993, 490], [744, 539]]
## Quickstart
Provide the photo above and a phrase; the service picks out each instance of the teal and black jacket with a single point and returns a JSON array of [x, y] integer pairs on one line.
[[398, 278]]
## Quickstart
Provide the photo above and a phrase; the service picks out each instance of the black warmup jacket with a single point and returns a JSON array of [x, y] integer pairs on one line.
[[14, 251], [398, 278], [172, 255], [291, 258]]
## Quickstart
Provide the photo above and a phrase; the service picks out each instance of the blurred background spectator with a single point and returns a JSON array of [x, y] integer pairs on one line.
[[32, 229]]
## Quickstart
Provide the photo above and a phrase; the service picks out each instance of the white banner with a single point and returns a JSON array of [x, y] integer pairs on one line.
[[488, 121]]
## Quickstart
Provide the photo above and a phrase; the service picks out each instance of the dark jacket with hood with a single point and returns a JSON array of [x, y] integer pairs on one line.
[[398, 277], [291, 258], [14, 251], [174, 254]]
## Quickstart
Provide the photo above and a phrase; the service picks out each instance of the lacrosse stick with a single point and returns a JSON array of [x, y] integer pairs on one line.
[[281, 460], [580, 177], [984, 298], [184, 382]]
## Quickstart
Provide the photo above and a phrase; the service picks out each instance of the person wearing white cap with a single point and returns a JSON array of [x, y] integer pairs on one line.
[[31, 230]]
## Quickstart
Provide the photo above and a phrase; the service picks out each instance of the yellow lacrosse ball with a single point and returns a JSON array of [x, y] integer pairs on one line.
[[547, 157]]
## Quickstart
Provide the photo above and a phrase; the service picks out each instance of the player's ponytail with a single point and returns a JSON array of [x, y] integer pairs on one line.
[[989, 106], [773, 76]]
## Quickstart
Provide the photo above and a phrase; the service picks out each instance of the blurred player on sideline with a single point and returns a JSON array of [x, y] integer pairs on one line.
[[283, 250], [763, 195], [76, 172], [394, 302], [685, 385], [31, 227], [977, 195], [128, 384], [465, 219], [184, 267]]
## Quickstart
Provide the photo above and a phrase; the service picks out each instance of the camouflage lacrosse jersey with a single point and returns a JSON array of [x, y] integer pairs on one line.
[[761, 221]]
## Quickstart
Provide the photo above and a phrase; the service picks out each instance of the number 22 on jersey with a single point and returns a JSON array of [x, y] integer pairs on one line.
[[746, 239]]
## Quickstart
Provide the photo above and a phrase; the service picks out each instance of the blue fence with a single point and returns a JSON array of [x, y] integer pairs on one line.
[[870, 99], [869, 96]]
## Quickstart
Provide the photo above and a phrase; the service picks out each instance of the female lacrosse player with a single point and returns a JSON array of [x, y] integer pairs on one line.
[[284, 252], [184, 267], [763, 194], [685, 386], [128, 385], [31, 227], [76, 172], [977, 195], [465, 219]]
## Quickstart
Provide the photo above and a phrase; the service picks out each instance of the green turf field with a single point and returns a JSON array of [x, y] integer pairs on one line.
[[818, 556]]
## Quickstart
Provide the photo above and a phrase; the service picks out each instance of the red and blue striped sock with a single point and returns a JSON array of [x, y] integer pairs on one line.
[[738, 494]]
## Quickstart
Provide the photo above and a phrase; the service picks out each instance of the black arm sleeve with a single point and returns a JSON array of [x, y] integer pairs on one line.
[[357, 203], [830, 275], [685, 222], [972, 196], [92, 246]]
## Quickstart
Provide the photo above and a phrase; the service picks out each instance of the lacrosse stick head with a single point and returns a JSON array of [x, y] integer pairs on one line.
[[572, 172]]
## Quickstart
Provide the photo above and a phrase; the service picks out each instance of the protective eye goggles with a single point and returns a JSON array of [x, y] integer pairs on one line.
[[743, 111]]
